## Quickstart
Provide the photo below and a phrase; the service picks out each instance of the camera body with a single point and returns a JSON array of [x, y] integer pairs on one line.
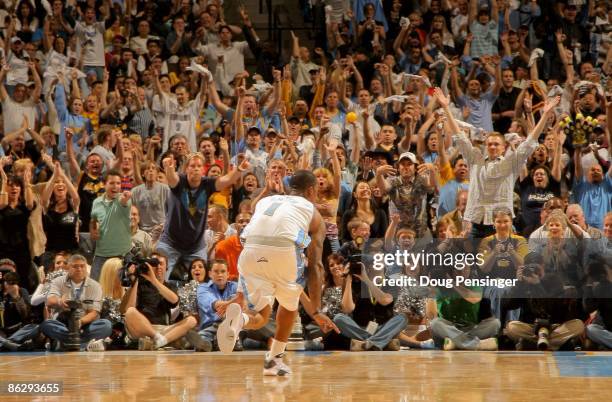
[[355, 264], [134, 257]]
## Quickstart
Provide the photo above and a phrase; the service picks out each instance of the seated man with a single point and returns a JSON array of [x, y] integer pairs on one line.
[[548, 315], [73, 287], [16, 327], [147, 305], [213, 298], [458, 325], [378, 308]]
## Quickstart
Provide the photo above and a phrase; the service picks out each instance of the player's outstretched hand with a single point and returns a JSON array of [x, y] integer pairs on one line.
[[325, 323]]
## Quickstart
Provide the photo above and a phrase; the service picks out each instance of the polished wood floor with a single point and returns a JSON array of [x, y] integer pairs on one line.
[[318, 376]]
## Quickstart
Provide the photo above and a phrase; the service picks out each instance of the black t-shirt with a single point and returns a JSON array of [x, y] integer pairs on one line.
[[61, 230], [89, 189], [532, 201], [186, 216], [14, 228], [504, 102], [367, 309], [151, 303]]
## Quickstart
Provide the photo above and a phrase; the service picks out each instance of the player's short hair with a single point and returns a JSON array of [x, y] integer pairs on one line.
[[302, 180]]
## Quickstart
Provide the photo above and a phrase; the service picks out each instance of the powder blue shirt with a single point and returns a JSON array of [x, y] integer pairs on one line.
[[595, 199], [480, 109], [208, 294]]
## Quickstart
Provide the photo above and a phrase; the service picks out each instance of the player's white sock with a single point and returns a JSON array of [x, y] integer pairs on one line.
[[276, 349], [245, 319], [160, 340]]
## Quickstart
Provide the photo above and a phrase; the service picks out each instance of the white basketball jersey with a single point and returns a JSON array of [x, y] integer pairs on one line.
[[282, 216]]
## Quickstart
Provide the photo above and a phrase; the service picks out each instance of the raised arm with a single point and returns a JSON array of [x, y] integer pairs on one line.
[[213, 97], [170, 171], [37, 83], [548, 108], [3, 71], [495, 11], [473, 12]]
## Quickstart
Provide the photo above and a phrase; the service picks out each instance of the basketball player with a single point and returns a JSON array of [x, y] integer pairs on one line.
[[270, 267]]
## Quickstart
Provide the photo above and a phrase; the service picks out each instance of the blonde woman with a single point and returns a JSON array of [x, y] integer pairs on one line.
[[112, 292], [328, 196]]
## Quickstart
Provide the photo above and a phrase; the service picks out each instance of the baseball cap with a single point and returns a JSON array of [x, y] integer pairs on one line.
[[293, 119], [408, 155], [271, 131], [16, 39]]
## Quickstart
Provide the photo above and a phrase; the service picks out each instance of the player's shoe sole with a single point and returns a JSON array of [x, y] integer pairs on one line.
[[228, 331]]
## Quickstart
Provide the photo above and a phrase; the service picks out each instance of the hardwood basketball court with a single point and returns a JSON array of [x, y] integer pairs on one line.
[[318, 376]]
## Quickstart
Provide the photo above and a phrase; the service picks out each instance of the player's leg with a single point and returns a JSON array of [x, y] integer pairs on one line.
[[287, 292], [258, 292]]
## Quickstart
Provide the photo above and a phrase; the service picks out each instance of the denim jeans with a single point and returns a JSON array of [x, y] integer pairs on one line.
[[57, 330], [466, 338], [28, 331], [598, 333], [174, 255], [383, 335]]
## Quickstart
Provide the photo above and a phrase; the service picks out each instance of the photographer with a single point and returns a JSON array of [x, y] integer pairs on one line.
[[147, 306], [460, 324], [15, 317], [373, 325], [548, 315], [68, 295]]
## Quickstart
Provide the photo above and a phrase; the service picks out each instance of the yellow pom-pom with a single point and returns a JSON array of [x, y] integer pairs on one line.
[[351, 117], [579, 116]]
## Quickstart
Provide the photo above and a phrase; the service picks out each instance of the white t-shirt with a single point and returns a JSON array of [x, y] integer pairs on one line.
[[181, 119], [91, 37], [13, 115]]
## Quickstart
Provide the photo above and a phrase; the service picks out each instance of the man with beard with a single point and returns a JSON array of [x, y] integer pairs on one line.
[[593, 194]]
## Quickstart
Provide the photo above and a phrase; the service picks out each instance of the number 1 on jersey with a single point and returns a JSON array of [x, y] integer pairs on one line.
[[272, 208]]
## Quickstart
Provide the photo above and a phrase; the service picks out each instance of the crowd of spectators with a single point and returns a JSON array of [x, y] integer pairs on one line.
[[151, 129]]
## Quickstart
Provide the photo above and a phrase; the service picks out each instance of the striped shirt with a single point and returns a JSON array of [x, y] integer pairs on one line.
[[491, 182]]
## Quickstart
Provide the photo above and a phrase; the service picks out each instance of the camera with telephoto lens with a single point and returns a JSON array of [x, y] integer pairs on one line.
[[71, 318], [135, 257]]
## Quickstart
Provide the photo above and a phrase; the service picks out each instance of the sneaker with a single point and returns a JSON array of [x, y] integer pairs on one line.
[[543, 343], [228, 331], [197, 342], [276, 367], [449, 344], [146, 343], [393, 346], [95, 345], [488, 344], [357, 345]]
